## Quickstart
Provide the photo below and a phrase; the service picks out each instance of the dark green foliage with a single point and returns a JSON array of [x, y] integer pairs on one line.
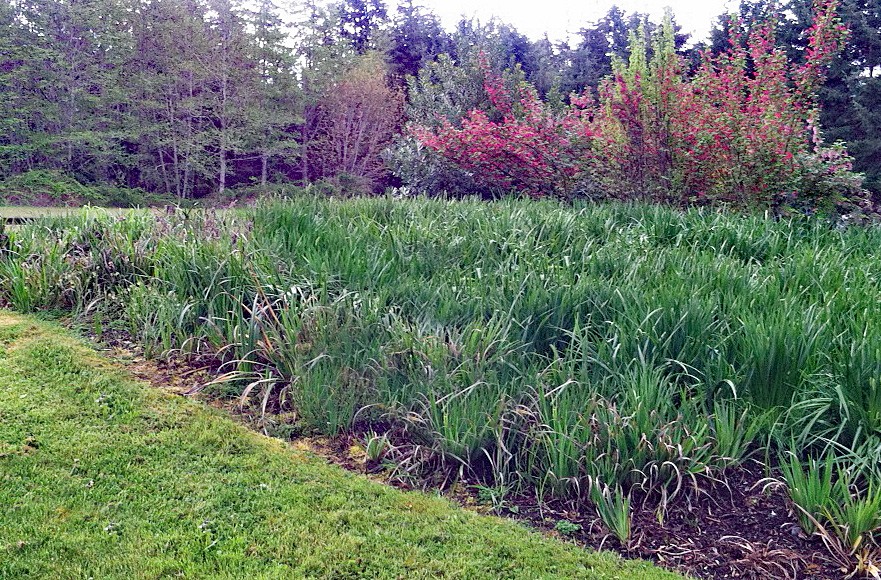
[[167, 97], [417, 38], [359, 21]]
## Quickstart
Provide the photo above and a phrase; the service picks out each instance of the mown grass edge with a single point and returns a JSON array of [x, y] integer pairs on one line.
[[101, 476]]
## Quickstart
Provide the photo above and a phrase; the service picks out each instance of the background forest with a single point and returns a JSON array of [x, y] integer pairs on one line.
[[132, 101]]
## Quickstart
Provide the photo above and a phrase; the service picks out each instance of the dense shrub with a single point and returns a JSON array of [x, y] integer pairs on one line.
[[740, 132], [50, 187], [443, 92], [531, 149], [424, 171], [45, 187], [824, 181]]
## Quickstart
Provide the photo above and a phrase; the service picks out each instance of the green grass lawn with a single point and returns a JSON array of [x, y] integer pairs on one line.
[[102, 477]]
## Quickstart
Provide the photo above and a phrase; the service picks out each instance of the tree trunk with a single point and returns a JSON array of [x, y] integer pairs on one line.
[[222, 177], [304, 154]]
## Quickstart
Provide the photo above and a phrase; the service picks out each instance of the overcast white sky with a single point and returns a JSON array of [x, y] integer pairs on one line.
[[559, 18]]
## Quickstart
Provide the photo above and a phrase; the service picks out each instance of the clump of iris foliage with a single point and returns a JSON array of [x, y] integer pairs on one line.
[[594, 353]]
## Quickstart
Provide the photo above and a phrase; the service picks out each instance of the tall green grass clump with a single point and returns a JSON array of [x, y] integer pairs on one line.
[[597, 353]]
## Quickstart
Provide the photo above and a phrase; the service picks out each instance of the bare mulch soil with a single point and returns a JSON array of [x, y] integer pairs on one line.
[[742, 527]]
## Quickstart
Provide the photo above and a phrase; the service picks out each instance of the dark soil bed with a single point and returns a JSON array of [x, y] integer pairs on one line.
[[742, 527]]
